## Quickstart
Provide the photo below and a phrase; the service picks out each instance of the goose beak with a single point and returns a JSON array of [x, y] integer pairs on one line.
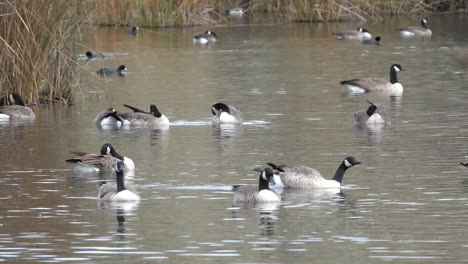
[[272, 180], [357, 162], [402, 69]]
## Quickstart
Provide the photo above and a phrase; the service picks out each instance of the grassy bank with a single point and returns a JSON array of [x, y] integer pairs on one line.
[[161, 13], [38, 47]]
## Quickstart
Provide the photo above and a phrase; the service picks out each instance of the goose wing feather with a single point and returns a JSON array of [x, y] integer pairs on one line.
[[369, 84], [300, 177], [17, 111], [245, 193]]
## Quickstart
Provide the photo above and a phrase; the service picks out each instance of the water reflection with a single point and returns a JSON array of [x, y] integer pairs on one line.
[[307, 195]]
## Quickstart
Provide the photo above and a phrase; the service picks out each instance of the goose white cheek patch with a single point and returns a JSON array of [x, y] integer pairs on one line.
[[347, 164]]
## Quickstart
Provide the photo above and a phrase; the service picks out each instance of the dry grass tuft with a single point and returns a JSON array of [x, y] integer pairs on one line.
[[38, 47]]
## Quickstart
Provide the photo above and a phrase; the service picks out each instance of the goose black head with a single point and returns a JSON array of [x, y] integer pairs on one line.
[[397, 68], [377, 38], [372, 108], [89, 55], [155, 111], [423, 22], [350, 161], [120, 166], [209, 32], [121, 68], [106, 149], [267, 175], [16, 99], [362, 30], [219, 107]]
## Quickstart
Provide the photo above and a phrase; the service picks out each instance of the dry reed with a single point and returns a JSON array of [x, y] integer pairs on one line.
[[163, 13], [38, 44]]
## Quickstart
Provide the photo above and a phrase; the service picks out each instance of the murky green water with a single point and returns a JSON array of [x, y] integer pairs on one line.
[[406, 203]]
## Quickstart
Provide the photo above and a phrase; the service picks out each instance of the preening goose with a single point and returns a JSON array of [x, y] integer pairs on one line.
[[110, 117], [205, 38], [101, 162], [358, 34], [303, 177], [16, 109], [375, 114], [417, 31], [153, 119], [225, 114], [260, 193], [377, 84], [118, 192]]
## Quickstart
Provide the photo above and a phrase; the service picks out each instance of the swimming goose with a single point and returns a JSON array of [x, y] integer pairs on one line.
[[260, 193], [154, 118], [358, 34], [303, 177], [101, 162], [110, 117], [118, 192], [417, 31], [204, 38], [107, 71], [377, 84], [133, 30], [96, 55], [226, 114], [16, 109], [375, 41], [375, 114]]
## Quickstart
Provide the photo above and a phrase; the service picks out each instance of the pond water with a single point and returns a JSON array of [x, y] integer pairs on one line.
[[406, 203]]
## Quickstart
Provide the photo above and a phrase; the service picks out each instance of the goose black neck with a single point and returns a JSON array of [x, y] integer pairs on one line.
[[371, 110], [155, 111], [393, 75], [120, 181], [340, 173], [116, 155], [263, 184], [423, 24]]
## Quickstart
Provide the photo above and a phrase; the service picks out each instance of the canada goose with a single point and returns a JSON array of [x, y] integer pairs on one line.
[[238, 11], [16, 109], [416, 31], [107, 71], [105, 161], [154, 118], [358, 34], [226, 114], [375, 41], [377, 84], [303, 177], [110, 117], [133, 30], [260, 193], [375, 114], [204, 38], [96, 55], [118, 192]]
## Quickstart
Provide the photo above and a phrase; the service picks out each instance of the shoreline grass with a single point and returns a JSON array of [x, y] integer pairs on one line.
[[168, 13], [38, 47]]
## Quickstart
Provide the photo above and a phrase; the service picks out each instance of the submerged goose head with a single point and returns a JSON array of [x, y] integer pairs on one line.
[[371, 109]]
